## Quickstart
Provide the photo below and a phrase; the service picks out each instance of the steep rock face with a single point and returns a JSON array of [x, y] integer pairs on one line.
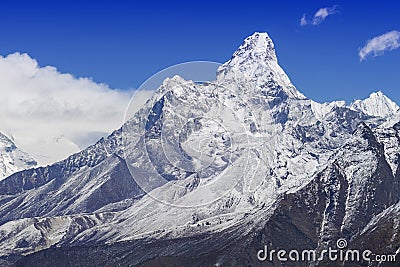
[[338, 203], [277, 169], [12, 159], [381, 234], [377, 104], [256, 59]]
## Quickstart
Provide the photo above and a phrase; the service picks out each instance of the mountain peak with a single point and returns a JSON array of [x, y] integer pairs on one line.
[[377, 94], [259, 45], [256, 59], [377, 104]]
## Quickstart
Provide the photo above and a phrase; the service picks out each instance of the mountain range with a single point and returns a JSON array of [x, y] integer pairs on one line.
[[207, 174]]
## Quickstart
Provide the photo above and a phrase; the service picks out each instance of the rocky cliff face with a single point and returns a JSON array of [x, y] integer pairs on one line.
[[12, 159]]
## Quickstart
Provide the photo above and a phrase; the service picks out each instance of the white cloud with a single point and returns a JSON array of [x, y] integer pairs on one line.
[[379, 44], [319, 16], [322, 14], [303, 20], [50, 114]]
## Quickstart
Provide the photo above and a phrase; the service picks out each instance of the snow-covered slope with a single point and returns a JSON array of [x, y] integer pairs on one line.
[[377, 104], [321, 110], [12, 159], [215, 169], [256, 58]]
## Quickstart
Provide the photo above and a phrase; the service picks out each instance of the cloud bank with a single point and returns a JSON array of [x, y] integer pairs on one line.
[[319, 16], [50, 114], [379, 44]]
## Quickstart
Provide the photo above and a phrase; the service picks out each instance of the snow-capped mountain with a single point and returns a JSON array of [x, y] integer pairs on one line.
[[207, 174], [377, 104], [12, 159]]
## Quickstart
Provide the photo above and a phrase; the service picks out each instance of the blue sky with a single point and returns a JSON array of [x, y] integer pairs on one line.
[[122, 43]]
